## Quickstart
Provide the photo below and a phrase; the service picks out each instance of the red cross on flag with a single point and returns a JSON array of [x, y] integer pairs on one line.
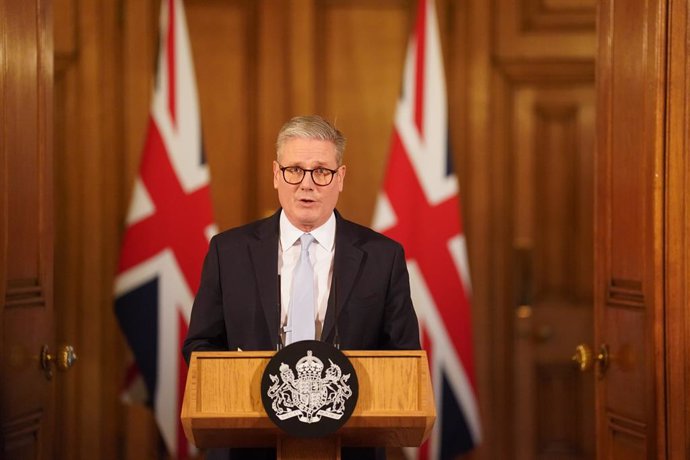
[[419, 207], [169, 224]]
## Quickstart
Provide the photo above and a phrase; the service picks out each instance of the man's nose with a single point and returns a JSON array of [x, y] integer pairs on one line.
[[307, 181]]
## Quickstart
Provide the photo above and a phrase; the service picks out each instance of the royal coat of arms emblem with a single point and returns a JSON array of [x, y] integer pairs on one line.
[[312, 394]]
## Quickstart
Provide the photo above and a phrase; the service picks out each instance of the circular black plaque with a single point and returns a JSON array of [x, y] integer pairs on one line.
[[309, 389]]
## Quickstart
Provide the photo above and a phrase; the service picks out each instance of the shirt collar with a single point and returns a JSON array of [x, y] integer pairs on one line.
[[324, 235]]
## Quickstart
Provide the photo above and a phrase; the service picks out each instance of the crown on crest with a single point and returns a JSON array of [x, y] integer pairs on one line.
[[310, 366]]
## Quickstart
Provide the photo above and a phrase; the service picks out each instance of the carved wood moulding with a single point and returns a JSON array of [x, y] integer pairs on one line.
[[627, 437], [20, 434], [24, 293], [545, 15], [625, 293]]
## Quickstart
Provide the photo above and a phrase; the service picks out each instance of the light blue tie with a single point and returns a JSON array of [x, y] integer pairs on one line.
[[302, 303]]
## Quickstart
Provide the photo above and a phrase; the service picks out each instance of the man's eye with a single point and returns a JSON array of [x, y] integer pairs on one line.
[[322, 171], [294, 170]]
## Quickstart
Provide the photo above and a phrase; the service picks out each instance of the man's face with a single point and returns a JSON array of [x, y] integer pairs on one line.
[[308, 205]]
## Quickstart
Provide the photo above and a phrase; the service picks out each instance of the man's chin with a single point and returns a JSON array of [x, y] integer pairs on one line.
[[307, 220]]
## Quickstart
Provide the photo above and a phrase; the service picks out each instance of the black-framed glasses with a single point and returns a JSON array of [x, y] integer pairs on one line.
[[321, 176]]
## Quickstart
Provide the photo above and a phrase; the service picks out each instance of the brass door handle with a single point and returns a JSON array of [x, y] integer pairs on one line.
[[63, 359], [585, 359]]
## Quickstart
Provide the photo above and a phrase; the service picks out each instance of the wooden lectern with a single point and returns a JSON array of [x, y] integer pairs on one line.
[[222, 404]]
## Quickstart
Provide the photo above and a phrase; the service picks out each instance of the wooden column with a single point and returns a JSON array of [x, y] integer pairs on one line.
[[677, 222]]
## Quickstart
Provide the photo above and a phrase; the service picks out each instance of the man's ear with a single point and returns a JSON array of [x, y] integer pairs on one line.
[[276, 174], [341, 177]]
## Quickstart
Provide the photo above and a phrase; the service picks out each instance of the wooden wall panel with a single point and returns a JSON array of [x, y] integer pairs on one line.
[[68, 239], [561, 15], [677, 223], [361, 59], [628, 139], [533, 29], [139, 51], [89, 159], [66, 293], [22, 150], [304, 63], [272, 100], [224, 54], [66, 37]]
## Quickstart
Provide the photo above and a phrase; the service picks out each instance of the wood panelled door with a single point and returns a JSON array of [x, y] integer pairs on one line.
[[543, 137], [552, 241], [26, 230], [629, 231]]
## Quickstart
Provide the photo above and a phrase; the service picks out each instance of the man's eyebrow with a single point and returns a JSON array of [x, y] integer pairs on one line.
[[317, 164]]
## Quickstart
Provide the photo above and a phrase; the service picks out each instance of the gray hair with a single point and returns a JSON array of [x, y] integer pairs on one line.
[[312, 127]]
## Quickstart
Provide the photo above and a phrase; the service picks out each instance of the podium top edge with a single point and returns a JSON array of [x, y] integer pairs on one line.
[[348, 353]]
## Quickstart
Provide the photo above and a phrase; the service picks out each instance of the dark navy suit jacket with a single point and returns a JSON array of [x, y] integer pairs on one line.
[[237, 302]]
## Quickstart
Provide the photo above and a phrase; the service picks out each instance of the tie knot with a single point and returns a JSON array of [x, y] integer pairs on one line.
[[305, 240]]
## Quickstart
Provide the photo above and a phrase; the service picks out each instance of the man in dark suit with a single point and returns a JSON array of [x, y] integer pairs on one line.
[[361, 291]]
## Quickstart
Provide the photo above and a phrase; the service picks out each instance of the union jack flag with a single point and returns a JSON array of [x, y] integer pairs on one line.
[[169, 224], [419, 207]]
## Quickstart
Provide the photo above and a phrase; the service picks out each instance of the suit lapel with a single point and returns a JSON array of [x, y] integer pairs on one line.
[[264, 256], [346, 266]]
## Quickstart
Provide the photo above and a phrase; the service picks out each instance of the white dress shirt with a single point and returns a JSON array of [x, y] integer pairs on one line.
[[321, 253]]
